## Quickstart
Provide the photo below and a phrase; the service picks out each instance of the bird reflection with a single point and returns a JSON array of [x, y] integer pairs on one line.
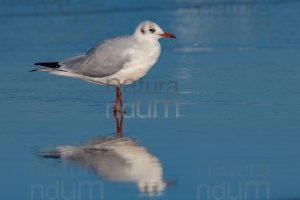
[[116, 159]]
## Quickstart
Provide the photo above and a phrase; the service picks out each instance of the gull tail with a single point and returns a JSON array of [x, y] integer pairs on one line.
[[46, 66]]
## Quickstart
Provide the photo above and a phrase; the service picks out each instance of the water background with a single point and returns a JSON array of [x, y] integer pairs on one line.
[[233, 73]]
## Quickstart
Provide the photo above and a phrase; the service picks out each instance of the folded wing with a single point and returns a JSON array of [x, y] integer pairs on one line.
[[105, 59]]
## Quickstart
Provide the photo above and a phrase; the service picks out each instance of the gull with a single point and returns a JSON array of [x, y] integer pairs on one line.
[[116, 159], [115, 62]]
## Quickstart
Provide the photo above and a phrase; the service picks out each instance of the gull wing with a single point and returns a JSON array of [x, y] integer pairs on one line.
[[103, 60]]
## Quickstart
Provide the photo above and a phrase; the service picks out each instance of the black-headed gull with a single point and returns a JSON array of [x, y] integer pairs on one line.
[[117, 61], [117, 159]]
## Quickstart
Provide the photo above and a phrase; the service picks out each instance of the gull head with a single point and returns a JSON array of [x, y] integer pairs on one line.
[[148, 30], [152, 188]]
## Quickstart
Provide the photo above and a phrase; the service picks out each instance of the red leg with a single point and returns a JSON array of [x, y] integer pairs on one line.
[[120, 131], [119, 123], [121, 102], [116, 103]]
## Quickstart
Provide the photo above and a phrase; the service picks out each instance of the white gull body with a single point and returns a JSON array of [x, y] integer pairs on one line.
[[117, 61]]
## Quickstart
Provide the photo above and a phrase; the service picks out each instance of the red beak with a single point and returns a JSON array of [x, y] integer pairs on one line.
[[167, 35]]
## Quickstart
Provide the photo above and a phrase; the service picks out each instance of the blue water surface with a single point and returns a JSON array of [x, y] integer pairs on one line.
[[220, 110]]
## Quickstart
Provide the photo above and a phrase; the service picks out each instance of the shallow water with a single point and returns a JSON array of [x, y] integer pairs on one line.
[[220, 109]]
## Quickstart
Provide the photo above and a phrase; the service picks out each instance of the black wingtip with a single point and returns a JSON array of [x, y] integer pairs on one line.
[[52, 156], [49, 154], [48, 64]]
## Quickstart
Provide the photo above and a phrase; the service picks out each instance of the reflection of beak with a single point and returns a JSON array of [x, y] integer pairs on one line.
[[167, 35], [170, 183]]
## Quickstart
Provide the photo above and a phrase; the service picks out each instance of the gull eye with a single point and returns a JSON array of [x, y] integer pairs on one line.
[[152, 30]]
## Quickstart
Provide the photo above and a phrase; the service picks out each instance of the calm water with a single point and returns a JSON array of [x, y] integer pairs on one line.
[[219, 113]]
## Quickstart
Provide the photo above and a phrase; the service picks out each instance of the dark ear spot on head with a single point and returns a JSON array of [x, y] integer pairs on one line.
[[142, 30]]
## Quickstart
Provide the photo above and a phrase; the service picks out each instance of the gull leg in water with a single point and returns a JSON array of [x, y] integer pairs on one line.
[[121, 102], [119, 123], [118, 100], [120, 127], [116, 103]]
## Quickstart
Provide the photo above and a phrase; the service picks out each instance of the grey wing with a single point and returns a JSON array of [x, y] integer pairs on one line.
[[109, 164], [103, 60], [104, 162]]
